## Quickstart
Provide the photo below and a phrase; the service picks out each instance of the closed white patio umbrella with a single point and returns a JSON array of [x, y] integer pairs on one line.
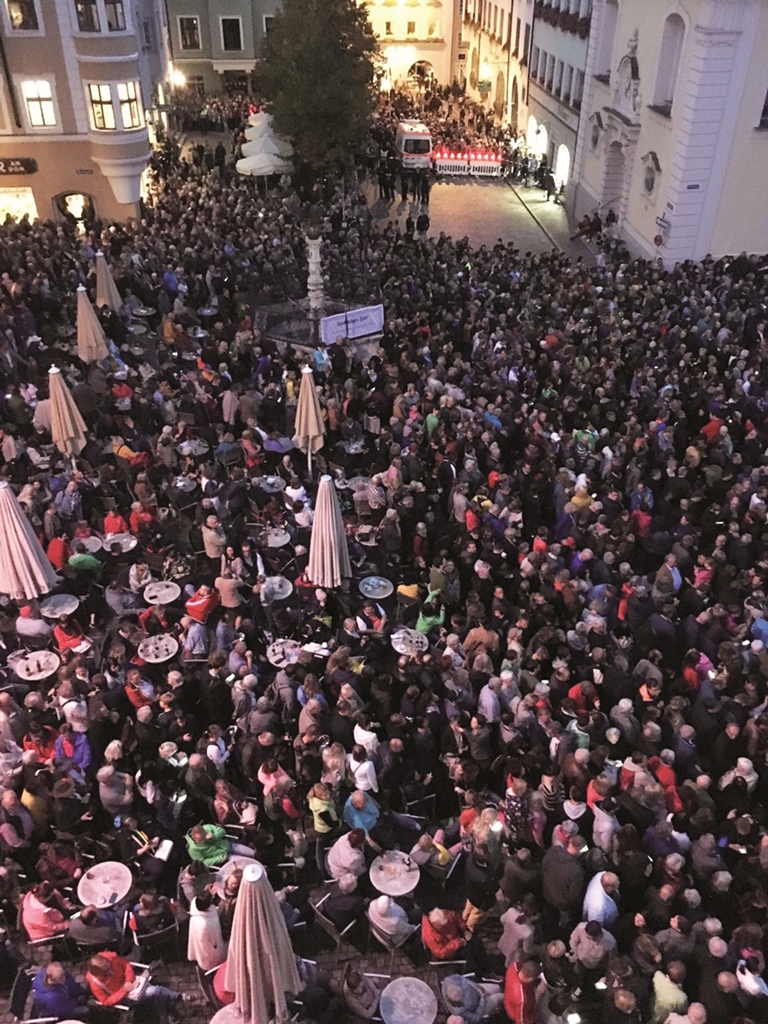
[[91, 343], [261, 968], [67, 425], [25, 572], [328, 553], [106, 289], [310, 429]]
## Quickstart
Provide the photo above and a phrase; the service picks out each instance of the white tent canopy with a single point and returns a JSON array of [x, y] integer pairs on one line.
[[271, 144], [263, 164], [265, 152]]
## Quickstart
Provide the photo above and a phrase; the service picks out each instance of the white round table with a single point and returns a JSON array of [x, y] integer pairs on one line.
[[408, 1001], [283, 652], [196, 446], [59, 604], [92, 544], [161, 592], [37, 665], [409, 641], [144, 311], [229, 867], [391, 875], [105, 884], [376, 587], [277, 538], [157, 649], [185, 483], [279, 587], [271, 484], [126, 541]]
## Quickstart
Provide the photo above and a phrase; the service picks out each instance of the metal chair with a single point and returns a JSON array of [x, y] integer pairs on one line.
[[20, 992], [329, 927], [205, 981], [388, 942], [153, 942]]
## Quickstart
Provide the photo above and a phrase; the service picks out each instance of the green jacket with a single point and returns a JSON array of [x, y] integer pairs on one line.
[[214, 850]]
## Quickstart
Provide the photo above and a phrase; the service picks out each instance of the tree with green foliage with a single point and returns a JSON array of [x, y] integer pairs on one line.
[[317, 77]]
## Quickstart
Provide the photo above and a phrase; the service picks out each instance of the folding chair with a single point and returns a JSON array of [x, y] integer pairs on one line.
[[205, 981], [152, 942], [329, 927], [390, 944], [20, 991]]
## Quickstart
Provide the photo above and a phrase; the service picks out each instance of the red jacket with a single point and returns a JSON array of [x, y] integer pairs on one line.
[[519, 997], [58, 552], [109, 991], [443, 943]]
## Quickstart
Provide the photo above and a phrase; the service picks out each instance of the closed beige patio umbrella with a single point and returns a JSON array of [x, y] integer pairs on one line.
[[310, 429], [106, 289], [67, 425], [261, 968], [25, 572], [91, 343], [328, 553]]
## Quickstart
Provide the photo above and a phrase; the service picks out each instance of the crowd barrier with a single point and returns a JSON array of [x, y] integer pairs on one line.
[[487, 164]]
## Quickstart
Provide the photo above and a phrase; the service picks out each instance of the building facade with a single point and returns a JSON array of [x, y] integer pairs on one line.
[[556, 81], [77, 80], [215, 43], [492, 56], [416, 38], [674, 125]]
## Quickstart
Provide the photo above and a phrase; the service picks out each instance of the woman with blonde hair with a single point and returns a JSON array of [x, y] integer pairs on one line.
[[325, 821], [334, 758]]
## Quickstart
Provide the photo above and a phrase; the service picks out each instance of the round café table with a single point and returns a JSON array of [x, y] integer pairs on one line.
[[59, 604], [408, 1001], [195, 446], [92, 544], [376, 587], [185, 483], [394, 873], [161, 592], [276, 538], [126, 541], [37, 665], [144, 311], [270, 484], [199, 332], [409, 641], [157, 649], [279, 587], [105, 884], [283, 652], [228, 868], [137, 330], [356, 482]]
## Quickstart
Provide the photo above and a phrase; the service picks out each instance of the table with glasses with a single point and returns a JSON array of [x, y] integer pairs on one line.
[[228, 868], [104, 884], [126, 541], [278, 587], [394, 873], [161, 592], [376, 587], [198, 333], [144, 311], [275, 537], [283, 652], [157, 649], [91, 544], [37, 665], [409, 641], [270, 484], [59, 604], [408, 1001], [195, 446]]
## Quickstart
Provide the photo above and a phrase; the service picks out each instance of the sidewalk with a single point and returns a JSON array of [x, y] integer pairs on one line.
[[553, 219]]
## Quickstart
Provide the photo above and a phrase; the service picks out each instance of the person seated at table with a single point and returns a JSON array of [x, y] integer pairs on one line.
[[114, 523], [202, 603], [226, 904], [111, 978], [60, 863], [96, 926], [41, 739], [372, 618], [360, 994], [43, 912], [346, 855], [68, 634], [361, 811], [195, 879], [209, 844], [135, 845], [344, 904], [56, 994], [141, 517], [470, 1000], [151, 914], [154, 620], [140, 692], [82, 561], [139, 576], [121, 450], [32, 629], [443, 933], [389, 918]]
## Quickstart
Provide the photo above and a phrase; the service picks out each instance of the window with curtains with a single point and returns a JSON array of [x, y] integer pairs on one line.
[[129, 97], [102, 110], [38, 100]]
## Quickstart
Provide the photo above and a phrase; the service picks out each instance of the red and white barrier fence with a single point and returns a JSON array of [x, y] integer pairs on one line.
[[483, 162]]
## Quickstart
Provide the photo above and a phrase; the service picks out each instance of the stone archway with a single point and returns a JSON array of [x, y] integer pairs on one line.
[[500, 96]]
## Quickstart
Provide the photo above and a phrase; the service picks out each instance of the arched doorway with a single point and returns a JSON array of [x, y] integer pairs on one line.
[[474, 68], [500, 96], [530, 134], [421, 73], [541, 142], [613, 182], [562, 165], [514, 105]]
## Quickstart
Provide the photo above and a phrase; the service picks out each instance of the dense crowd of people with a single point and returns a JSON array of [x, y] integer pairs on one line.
[[560, 468]]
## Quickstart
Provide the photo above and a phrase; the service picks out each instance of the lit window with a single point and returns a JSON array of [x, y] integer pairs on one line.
[[101, 107], [87, 16], [115, 15], [231, 35], [130, 110], [387, 28], [411, 30], [189, 33], [39, 100], [23, 15]]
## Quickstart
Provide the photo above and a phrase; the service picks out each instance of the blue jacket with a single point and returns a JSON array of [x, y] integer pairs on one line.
[[57, 1000]]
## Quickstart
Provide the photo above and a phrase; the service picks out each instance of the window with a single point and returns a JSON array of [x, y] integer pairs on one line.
[[578, 88], [231, 34], [196, 85], [567, 82], [607, 37], [387, 28], [526, 44], [189, 33], [22, 15], [518, 26], [115, 15], [87, 16], [268, 23], [411, 29], [551, 72], [535, 62], [102, 111], [147, 34], [38, 97], [559, 78], [669, 64], [130, 109]]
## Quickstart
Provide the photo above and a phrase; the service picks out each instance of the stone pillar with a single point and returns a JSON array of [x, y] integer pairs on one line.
[[315, 292]]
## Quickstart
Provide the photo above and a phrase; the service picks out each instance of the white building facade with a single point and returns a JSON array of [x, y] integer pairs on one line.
[[416, 38], [556, 81], [674, 125]]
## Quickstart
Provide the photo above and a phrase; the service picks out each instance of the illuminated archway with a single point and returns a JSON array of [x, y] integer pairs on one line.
[[562, 165], [530, 134]]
